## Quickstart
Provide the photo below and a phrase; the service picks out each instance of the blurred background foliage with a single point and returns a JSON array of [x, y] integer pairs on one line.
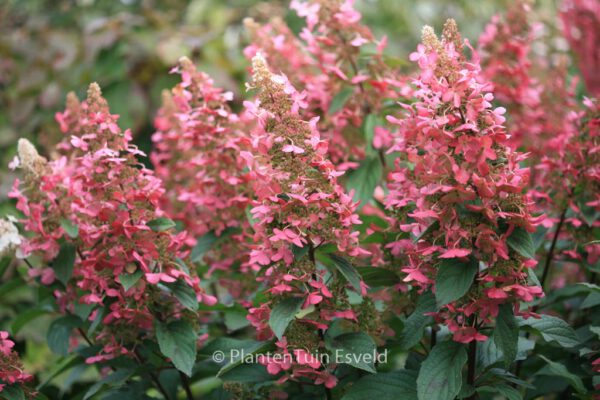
[[51, 47]]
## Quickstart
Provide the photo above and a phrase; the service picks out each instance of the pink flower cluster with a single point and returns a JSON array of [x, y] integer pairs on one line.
[[459, 187], [299, 207], [505, 48], [324, 63], [581, 27], [97, 204], [11, 367], [197, 147]]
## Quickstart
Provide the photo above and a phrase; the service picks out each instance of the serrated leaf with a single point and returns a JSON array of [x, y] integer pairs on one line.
[[59, 333], [202, 246], [506, 334], [283, 313], [385, 386], [129, 280], [340, 99], [64, 262], [70, 228], [177, 341], [365, 179], [454, 278], [440, 376], [184, 293], [356, 348], [556, 369], [417, 321], [520, 241], [347, 270], [552, 329], [161, 224], [377, 277]]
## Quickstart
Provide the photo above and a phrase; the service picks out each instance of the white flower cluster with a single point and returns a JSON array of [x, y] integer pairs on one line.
[[10, 239]]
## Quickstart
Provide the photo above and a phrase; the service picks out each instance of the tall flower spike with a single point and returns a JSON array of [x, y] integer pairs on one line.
[[197, 156], [299, 207], [462, 188], [96, 203]]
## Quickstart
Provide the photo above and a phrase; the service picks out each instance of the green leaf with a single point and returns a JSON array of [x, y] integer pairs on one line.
[[507, 391], [114, 380], [371, 121], [59, 333], [202, 246], [129, 280], [64, 262], [506, 334], [365, 179], [385, 386], [520, 241], [244, 348], [13, 392], [356, 348], [26, 317], [161, 224], [557, 369], [184, 293], [454, 278], [377, 277], [347, 270], [283, 313], [552, 329], [440, 376], [416, 323], [70, 228], [247, 373], [340, 99], [177, 341]]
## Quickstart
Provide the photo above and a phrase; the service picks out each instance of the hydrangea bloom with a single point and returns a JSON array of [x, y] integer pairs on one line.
[[12, 372], [299, 208], [197, 147], [459, 190], [505, 48], [96, 206], [581, 27], [570, 179], [325, 63]]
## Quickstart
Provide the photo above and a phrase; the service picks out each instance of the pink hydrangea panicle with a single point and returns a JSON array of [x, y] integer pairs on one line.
[[458, 187], [299, 208], [96, 202], [197, 156], [12, 373], [581, 27]]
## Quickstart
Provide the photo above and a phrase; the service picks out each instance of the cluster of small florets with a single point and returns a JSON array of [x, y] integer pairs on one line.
[[197, 147], [459, 187], [581, 27], [569, 180], [505, 47], [327, 62], [94, 205], [299, 207], [12, 372]]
